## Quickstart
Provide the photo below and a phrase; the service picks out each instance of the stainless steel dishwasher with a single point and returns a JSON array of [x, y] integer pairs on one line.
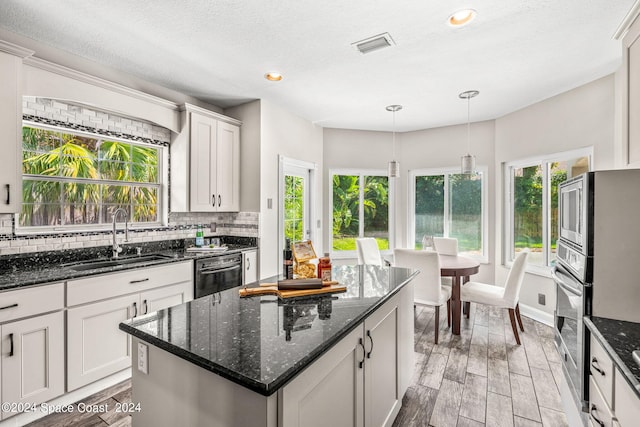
[[215, 274]]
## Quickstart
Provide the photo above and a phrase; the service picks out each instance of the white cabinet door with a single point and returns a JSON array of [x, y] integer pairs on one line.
[[203, 193], [96, 347], [227, 166], [249, 267], [10, 133], [215, 165], [382, 389], [330, 391], [168, 296], [33, 360]]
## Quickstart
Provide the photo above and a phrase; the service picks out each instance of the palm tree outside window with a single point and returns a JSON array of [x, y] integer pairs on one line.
[[73, 179]]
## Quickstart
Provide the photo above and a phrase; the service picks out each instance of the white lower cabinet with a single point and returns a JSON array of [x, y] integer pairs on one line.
[[32, 362], [612, 402], [96, 347], [249, 267], [361, 380]]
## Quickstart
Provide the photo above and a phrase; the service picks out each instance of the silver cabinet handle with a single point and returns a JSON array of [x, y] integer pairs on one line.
[[219, 200], [145, 307], [213, 200], [135, 309], [8, 187], [9, 306], [248, 263], [11, 348], [139, 281]]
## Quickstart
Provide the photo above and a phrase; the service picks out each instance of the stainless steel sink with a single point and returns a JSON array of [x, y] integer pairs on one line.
[[92, 265]]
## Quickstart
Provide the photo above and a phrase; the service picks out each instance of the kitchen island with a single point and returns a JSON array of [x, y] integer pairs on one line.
[[338, 359]]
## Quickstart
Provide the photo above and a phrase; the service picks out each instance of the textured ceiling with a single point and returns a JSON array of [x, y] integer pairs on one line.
[[515, 53]]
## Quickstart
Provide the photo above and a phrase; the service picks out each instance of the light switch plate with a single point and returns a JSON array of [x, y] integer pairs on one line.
[[143, 358]]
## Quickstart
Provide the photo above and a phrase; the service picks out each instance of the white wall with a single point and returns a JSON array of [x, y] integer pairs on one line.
[[582, 117], [281, 133]]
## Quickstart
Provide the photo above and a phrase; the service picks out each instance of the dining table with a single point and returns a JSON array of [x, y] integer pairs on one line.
[[459, 268]]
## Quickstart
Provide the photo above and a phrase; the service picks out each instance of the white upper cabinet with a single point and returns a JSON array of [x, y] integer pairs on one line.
[[630, 89], [205, 166], [11, 126]]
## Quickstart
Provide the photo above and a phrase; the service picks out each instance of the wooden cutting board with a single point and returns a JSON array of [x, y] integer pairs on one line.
[[272, 289]]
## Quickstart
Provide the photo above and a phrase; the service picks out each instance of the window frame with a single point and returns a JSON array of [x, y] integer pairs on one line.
[[391, 203], [411, 219], [161, 185], [508, 252]]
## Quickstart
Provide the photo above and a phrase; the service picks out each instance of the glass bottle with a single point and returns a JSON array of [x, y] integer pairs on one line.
[[324, 268], [199, 237]]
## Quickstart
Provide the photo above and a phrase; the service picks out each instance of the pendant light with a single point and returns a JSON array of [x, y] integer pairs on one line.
[[468, 161], [394, 167]]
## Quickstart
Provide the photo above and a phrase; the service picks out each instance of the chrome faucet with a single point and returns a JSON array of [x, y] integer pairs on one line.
[[116, 248]]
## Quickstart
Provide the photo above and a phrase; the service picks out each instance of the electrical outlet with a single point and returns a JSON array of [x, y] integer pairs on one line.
[[143, 358], [542, 299]]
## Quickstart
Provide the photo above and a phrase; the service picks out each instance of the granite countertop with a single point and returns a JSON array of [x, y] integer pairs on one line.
[[262, 342], [48, 267], [619, 339]]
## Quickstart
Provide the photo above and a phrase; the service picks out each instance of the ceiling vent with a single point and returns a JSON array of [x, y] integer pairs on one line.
[[374, 43]]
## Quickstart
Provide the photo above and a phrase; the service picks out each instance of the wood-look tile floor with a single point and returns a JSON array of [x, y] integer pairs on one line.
[[479, 378]]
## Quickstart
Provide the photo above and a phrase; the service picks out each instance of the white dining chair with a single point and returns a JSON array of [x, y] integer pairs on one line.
[[368, 251], [504, 297], [428, 289], [445, 245]]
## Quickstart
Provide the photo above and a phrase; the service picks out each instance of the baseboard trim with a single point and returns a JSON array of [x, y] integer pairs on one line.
[[536, 314]]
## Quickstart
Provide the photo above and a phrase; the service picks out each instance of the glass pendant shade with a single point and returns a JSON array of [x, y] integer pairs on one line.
[[468, 164], [394, 169], [468, 161]]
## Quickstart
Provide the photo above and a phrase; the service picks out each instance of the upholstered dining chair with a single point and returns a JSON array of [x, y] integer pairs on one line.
[[445, 245], [428, 288], [504, 297], [368, 251]]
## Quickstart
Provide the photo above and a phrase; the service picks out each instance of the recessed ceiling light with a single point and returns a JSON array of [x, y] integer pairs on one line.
[[273, 77], [462, 17]]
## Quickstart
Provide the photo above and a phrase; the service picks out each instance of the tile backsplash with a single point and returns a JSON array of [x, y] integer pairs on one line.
[[181, 226]]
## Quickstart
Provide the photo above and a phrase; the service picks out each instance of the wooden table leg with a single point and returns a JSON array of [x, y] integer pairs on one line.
[[455, 306]]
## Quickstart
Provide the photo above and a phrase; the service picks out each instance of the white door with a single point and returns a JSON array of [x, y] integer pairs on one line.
[[295, 206], [33, 360], [204, 197], [228, 168], [168, 296]]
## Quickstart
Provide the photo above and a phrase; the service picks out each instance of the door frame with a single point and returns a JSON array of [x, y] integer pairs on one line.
[[313, 169]]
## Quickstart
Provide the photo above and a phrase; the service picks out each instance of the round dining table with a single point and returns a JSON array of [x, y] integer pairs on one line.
[[459, 268]]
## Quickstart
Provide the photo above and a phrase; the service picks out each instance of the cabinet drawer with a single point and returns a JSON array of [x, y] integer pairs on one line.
[[599, 412], [97, 288], [601, 367], [627, 403], [30, 301]]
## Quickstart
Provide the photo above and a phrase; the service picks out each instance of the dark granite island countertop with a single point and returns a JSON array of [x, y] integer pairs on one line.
[[262, 342], [619, 339]]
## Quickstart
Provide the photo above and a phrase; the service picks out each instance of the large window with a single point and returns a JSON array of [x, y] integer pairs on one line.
[[532, 204], [360, 207], [73, 180], [446, 203]]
